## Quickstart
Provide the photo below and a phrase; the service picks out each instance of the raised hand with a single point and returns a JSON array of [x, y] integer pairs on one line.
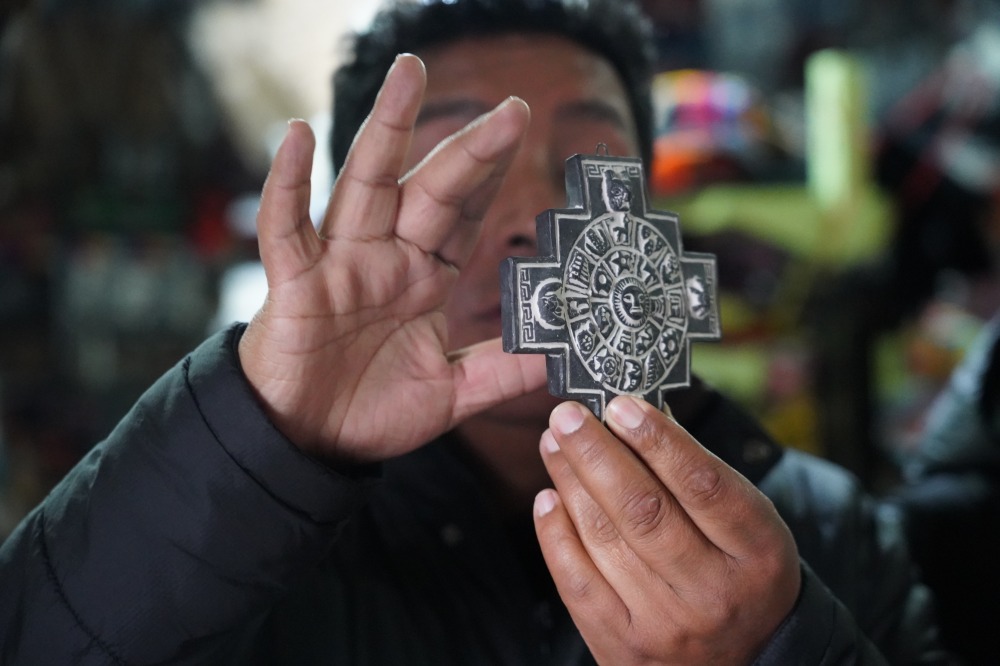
[[349, 354], [662, 552]]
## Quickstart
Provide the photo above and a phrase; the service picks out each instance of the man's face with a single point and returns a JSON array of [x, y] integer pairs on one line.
[[577, 101]]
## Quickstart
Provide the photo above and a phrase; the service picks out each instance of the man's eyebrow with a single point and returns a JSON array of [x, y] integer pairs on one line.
[[465, 109], [595, 110], [469, 109]]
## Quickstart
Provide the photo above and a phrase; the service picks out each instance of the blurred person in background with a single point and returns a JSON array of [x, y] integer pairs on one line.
[[939, 290], [950, 497]]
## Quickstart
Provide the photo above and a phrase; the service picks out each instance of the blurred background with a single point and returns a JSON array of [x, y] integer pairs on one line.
[[839, 156]]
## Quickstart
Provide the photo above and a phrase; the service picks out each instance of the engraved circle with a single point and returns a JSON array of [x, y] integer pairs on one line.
[[626, 296], [630, 301]]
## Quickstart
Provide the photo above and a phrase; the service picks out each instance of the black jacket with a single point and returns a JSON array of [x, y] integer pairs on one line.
[[950, 499], [197, 534]]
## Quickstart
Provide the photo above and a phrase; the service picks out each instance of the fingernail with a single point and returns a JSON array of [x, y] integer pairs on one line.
[[400, 56], [626, 412], [567, 417], [395, 62], [545, 501], [513, 99], [498, 108], [549, 443]]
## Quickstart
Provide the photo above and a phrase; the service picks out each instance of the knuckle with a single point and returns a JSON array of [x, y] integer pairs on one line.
[[640, 651], [770, 570], [374, 181], [388, 123], [714, 610], [440, 196], [703, 484], [642, 643], [590, 452], [723, 611], [475, 153], [579, 584], [777, 563], [602, 528], [649, 440], [643, 512]]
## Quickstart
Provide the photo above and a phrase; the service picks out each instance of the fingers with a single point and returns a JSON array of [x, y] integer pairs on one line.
[[485, 375], [446, 195], [642, 546], [287, 239], [365, 199], [439, 203], [590, 599], [662, 497], [622, 511], [720, 502]]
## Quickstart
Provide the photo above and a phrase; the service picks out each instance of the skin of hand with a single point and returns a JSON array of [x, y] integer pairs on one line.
[[662, 552], [350, 353]]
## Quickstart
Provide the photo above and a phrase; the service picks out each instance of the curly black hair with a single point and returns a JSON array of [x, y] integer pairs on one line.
[[614, 29]]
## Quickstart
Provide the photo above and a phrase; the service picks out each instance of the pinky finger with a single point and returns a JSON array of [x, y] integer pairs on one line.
[[596, 608]]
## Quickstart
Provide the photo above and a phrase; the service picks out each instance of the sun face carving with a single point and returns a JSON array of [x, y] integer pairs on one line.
[[621, 297]]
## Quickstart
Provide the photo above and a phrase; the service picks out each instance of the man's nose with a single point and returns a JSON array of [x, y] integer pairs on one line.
[[518, 239], [509, 232], [529, 190]]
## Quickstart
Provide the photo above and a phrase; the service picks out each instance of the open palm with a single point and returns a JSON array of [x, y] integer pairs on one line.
[[349, 353]]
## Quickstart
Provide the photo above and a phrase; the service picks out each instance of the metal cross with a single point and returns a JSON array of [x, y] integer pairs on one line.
[[611, 300]]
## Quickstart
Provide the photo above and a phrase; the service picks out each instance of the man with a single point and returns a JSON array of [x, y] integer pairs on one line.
[[352, 478]]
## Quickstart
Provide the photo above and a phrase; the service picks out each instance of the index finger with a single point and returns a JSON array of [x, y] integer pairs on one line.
[[733, 514], [445, 196], [614, 498]]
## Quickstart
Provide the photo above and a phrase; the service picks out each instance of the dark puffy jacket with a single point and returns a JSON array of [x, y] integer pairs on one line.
[[951, 502], [197, 534]]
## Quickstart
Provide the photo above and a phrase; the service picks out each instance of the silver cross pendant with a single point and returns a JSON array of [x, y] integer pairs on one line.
[[612, 299]]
